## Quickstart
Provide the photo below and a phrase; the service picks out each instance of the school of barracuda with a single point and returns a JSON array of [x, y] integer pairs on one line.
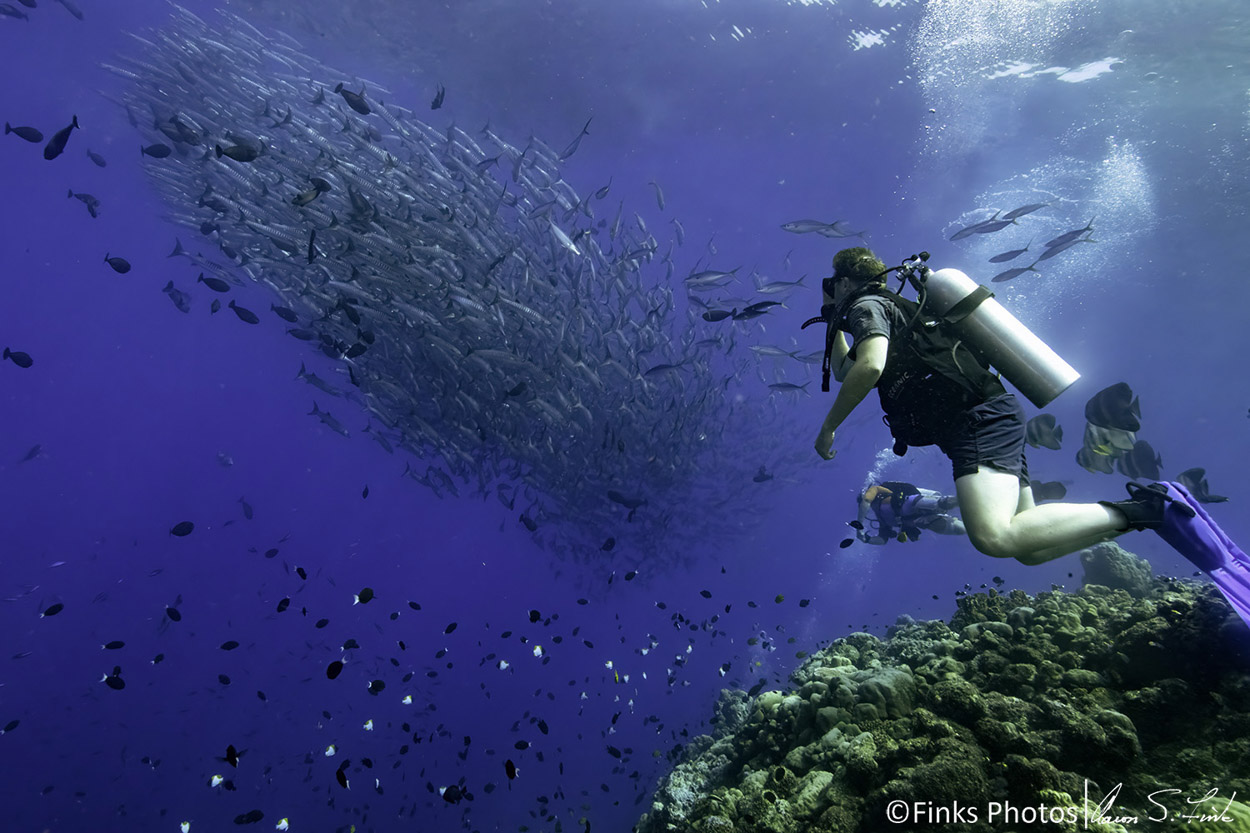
[[478, 312]]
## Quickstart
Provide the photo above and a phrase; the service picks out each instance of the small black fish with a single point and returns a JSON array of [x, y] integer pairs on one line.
[[92, 204], [250, 817], [180, 299], [247, 508], [114, 680], [1042, 432], [364, 493], [354, 100], [509, 769], [631, 575], [451, 627], [30, 134], [528, 522], [715, 315], [438, 98], [18, 357], [120, 265], [348, 310], [340, 775], [99, 160], [56, 145], [285, 314], [283, 605], [1141, 461], [115, 645], [1195, 481], [239, 153], [10, 726], [182, 528], [52, 610], [37, 449], [245, 314], [302, 573], [173, 614], [320, 186], [156, 151], [1114, 407], [364, 596], [334, 669], [215, 284], [608, 544], [376, 687], [214, 307], [229, 645], [232, 756]]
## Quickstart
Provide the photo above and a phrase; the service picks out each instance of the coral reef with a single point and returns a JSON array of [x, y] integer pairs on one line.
[[1118, 707]]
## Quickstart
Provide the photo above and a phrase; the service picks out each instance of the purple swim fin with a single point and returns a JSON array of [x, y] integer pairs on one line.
[[1197, 537]]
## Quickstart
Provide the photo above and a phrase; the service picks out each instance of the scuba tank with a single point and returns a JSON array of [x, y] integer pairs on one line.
[[972, 315], [1014, 351]]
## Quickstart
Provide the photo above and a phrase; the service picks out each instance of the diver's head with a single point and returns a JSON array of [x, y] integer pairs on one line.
[[853, 269]]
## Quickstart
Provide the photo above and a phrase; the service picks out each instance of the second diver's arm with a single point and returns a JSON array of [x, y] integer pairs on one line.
[[865, 507]]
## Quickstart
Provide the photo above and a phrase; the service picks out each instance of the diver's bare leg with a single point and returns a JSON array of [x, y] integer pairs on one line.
[[1002, 520]]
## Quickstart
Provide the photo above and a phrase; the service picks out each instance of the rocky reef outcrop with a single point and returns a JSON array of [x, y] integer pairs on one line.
[[1117, 707]]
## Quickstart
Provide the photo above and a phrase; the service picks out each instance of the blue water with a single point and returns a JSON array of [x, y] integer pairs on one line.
[[908, 120]]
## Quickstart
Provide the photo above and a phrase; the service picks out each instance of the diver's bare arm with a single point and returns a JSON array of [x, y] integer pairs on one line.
[[859, 380], [837, 357]]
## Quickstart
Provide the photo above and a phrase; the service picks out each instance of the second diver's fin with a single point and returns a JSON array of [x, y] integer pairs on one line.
[[1190, 531]]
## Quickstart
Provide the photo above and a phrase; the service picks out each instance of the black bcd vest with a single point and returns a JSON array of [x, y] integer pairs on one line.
[[930, 377]]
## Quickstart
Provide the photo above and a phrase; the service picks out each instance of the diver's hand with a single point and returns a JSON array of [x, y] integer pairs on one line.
[[824, 444]]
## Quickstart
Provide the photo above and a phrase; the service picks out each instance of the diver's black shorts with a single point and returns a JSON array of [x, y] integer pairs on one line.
[[990, 434]]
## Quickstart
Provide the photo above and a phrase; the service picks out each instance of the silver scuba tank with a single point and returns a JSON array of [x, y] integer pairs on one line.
[[1010, 347]]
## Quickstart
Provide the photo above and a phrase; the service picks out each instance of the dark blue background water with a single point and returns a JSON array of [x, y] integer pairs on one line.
[[132, 402]]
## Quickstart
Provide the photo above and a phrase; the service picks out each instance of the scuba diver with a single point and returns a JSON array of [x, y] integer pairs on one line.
[[894, 509], [930, 361]]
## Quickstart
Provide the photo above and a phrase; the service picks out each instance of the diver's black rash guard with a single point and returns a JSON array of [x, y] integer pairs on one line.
[[922, 405]]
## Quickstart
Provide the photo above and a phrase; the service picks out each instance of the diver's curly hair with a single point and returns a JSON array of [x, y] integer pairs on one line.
[[860, 265]]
